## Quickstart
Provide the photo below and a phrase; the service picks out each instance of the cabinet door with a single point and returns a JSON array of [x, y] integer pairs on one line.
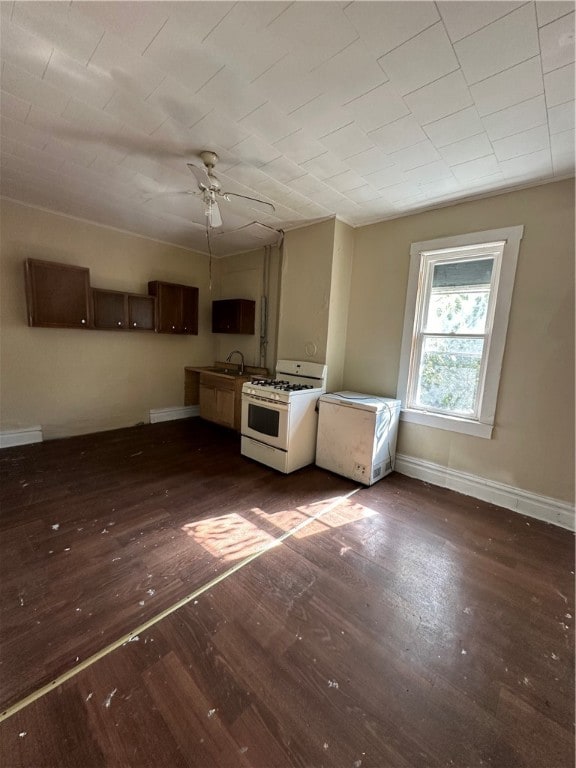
[[189, 309], [58, 295], [207, 401], [225, 407], [233, 316], [141, 312], [109, 309]]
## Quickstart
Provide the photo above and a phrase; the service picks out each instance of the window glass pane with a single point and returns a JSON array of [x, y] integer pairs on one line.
[[449, 375], [459, 297]]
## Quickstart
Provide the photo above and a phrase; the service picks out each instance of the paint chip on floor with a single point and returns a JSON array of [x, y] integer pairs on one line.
[[22, 734], [55, 526], [109, 698], [211, 712]]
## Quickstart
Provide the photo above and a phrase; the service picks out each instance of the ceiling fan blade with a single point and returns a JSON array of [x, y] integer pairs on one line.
[[213, 214], [252, 202], [201, 175]]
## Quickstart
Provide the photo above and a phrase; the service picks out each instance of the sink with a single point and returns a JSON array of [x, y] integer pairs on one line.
[[223, 371]]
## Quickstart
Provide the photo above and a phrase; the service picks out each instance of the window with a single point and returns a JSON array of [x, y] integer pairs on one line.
[[457, 306]]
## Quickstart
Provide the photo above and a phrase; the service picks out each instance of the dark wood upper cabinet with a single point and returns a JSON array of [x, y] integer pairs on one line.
[[116, 310], [57, 295], [177, 307], [233, 316]]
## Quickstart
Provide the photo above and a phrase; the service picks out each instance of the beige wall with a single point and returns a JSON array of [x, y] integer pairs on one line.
[[342, 259], [73, 381], [245, 276], [305, 293], [533, 441]]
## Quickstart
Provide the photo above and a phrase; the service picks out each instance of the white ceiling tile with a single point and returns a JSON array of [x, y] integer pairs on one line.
[[324, 166], [559, 86], [386, 25], [238, 42], [185, 59], [387, 177], [563, 142], [215, 128], [562, 117], [549, 10], [43, 158], [74, 79], [509, 40], [376, 108], [309, 186], [476, 169], [463, 17], [320, 116], [403, 191], [302, 29], [231, 94], [520, 117], [299, 147], [197, 18], [446, 96], [563, 161], [363, 194], [95, 121], [467, 149], [519, 83], [346, 141], [124, 67], [418, 154], [523, 143], [283, 170], [346, 181], [287, 84], [178, 102], [269, 123], [61, 25], [349, 74], [429, 172], [119, 17], [557, 43], [537, 164], [135, 112], [370, 161], [13, 107], [456, 127], [25, 50], [256, 152], [34, 90], [424, 58], [82, 154], [399, 134]]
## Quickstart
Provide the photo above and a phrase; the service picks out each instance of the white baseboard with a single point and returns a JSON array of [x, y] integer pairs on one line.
[[12, 437], [171, 414], [544, 508]]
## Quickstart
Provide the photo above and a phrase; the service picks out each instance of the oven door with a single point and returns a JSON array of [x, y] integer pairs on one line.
[[265, 420]]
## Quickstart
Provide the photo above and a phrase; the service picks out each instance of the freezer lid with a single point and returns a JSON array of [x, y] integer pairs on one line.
[[361, 401]]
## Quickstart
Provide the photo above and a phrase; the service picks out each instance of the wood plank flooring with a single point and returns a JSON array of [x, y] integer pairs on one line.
[[405, 625]]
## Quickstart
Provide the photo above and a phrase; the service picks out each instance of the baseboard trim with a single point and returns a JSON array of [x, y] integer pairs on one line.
[[13, 437], [544, 508], [171, 414]]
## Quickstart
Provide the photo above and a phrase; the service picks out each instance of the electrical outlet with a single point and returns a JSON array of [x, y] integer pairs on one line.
[[359, 469]]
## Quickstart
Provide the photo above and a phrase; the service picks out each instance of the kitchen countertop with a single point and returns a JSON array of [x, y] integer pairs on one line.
[[229, 370]]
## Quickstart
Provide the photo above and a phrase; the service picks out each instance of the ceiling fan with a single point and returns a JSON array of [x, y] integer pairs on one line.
[[210, 189]]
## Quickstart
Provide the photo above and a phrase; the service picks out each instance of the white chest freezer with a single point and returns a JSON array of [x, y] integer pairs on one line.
[[357, 435]]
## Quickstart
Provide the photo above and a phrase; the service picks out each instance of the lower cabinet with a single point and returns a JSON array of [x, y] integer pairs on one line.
[[220, 399]]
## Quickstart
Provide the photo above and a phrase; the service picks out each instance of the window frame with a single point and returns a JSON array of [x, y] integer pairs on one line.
[[481, 425]]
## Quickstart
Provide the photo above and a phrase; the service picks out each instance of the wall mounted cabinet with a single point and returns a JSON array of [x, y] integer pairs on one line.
[[57, 295], [233, 316], [177, 307], [115, 310]]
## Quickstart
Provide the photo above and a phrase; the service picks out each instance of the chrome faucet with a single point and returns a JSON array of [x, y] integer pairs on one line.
[[237, 352]]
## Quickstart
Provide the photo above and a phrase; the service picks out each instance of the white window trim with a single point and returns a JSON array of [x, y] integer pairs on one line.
[[483, 426]]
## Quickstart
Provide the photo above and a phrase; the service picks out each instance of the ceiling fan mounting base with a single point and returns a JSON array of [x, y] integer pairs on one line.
[[209, 158]]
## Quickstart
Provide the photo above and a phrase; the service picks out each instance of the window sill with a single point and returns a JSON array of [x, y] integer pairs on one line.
[[449, 423]]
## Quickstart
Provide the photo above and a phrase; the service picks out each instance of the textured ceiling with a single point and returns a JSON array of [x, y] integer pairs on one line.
[[366, 110]]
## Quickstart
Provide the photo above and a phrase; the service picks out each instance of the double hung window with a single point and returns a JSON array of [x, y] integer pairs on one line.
[[457, 307]]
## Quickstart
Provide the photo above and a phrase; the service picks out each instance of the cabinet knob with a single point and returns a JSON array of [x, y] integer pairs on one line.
[[83, 321], [173, 327], [134, 324], [119, 322]]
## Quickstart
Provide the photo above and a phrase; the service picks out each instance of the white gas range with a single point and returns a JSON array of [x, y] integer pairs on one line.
[[279, 417]]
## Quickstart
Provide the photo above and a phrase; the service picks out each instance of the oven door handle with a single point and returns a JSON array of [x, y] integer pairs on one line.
[[264, 402]]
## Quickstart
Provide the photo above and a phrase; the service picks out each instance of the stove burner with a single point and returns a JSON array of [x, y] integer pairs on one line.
[[281, 384]]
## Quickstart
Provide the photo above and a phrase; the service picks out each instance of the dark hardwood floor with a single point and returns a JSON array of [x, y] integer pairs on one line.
[[401, 625]]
